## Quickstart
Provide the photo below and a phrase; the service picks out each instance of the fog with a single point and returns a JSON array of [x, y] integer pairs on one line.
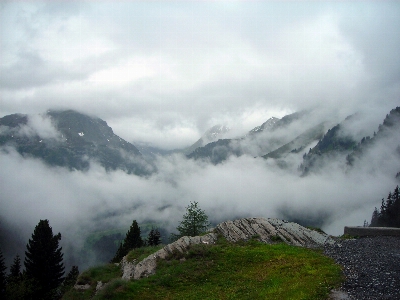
[[162, 73], [78, 203]]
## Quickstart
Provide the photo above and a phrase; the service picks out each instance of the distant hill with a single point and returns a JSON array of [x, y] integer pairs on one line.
[[338, 145], [211, 135], [70, 139], [297, 145], [256, 142]]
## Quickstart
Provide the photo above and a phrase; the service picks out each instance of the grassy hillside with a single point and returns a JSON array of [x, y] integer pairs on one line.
[[247, 270]]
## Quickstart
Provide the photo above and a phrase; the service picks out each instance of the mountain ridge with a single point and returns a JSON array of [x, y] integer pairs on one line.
[[67, 138]]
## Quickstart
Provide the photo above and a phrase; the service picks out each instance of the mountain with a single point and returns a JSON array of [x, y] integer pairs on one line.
[[299, 143], [218, 151], [388, 131], [70, 139], [270, 124], [338, 145], [211, 135], [258, 141], [274, 123]]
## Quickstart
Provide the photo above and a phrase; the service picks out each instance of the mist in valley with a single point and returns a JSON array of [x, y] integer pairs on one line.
[[199, 64]]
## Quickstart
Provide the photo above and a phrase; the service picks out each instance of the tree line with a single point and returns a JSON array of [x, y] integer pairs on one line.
[[194, 222], [43, 277], [389, 213]]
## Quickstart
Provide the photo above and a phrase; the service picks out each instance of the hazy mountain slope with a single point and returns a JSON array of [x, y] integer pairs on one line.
[[270, 124], [339, 146], [299, 143], [388, 134], [258, 141], [70, 139], [213, 134], [274, 123], [332, 145], [217, 151]]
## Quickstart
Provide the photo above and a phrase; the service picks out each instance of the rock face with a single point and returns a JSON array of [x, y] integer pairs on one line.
[[270, 230], [147, 266], [266, 230]]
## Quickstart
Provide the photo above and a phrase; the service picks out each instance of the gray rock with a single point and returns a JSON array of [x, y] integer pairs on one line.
[[271, 230], [82, 286], [99, 286]]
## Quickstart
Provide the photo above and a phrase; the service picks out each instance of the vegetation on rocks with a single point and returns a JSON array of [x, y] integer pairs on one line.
[[243, 270]]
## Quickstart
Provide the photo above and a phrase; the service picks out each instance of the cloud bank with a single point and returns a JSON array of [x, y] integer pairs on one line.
[[79, 203], [163, 72]]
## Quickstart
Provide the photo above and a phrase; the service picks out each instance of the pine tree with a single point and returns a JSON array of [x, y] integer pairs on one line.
[[70, 279], [375, 218], [389, 214], [44, 261], [154, 237], [3, 281], [15, 270], [119, 254], [396, 206], [194, 222], [132, 240]]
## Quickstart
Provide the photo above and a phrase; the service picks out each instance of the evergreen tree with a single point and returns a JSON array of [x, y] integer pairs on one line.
[[15, 270], [70, 279], [194, 222], [389, 214], [396, 206], [119, 254], [44, 261], [375, 218], [132, 240], [3, 281], [154, 237]]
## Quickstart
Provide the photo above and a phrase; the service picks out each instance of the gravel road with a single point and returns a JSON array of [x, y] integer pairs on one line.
[[371, 266]]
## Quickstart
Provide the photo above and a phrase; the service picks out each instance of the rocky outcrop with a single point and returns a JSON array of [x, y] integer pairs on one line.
[[265, 230], [272, 230], [148, 265]]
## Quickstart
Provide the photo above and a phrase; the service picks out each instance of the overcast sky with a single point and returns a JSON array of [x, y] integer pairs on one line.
[[164, 72]]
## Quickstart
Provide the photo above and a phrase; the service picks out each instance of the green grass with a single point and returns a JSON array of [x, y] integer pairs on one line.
[[141, 253], [250, 270], [104, 273]]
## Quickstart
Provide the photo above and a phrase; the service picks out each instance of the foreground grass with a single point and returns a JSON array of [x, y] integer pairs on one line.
[[251, 270]]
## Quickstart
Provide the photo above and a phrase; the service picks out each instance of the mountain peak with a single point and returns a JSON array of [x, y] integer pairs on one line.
[[268, 125], [77, 139]]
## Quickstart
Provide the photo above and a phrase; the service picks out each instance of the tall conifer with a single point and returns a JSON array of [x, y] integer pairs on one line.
[[3, 281], [44, 261]]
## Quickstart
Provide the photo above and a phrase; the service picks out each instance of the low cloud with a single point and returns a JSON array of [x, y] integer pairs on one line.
[[77, 203]]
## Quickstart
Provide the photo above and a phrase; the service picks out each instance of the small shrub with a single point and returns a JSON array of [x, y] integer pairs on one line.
[[175, 254], [109, 290], [100, 273], [276, 238], [142, 252], [199, 250]]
